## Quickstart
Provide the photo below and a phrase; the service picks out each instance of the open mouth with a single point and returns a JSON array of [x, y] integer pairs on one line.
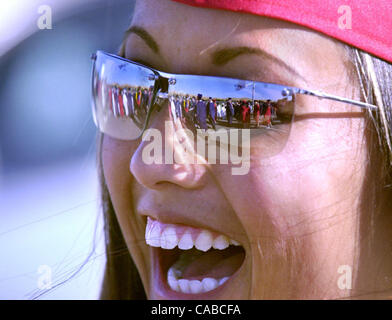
[[194, 260]]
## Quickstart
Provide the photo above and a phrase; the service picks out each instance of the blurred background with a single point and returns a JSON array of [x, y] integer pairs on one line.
[[50, 223]]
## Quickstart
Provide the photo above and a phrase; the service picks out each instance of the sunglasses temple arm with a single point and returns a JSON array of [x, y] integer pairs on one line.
[[323, 95]]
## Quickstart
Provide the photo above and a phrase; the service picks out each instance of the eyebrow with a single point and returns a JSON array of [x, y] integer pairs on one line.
[[221, 57], [144, 35]]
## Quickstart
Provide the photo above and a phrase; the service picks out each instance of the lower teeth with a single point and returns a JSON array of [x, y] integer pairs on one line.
[[191, 286]]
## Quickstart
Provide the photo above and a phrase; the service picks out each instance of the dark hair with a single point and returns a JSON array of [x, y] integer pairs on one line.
[[122, 280]]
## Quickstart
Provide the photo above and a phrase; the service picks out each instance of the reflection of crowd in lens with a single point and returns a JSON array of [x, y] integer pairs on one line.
[[209, 113], [194, 111], [131, 102]]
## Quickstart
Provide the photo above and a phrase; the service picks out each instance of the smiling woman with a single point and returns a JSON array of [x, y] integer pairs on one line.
[[315, 204]]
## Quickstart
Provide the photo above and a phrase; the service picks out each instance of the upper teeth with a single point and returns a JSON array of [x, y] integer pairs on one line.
[[168, 236]]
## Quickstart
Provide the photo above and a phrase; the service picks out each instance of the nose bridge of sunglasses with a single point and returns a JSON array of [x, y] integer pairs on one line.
[[160, 91], [163, 84]]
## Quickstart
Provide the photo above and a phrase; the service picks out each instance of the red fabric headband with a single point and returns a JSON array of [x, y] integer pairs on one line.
[[365, 24]]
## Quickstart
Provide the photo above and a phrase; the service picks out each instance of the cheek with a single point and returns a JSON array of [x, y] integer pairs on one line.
[[318, 178], [314, 181], [116, 157], [115, 160]]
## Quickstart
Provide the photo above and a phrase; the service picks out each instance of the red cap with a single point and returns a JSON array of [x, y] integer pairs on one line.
[[370, 28]]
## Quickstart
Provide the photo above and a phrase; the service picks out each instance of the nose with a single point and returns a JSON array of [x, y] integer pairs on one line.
[[154, 171]]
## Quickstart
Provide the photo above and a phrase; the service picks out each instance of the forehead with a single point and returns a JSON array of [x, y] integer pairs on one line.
[[173, 18], [187, 34], [182, 23]]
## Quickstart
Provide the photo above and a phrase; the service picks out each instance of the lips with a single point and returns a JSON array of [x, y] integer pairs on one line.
[[201, 260]]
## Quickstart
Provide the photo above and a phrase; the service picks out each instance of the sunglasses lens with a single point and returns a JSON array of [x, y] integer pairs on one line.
[[122, 94], [211, 103]]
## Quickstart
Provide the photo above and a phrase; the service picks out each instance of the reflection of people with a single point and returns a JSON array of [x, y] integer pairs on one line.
[[110, 98], [138, 96], [130, 100], [137, 101], [308, 213], [115, 102], [237, 111], [211, 112], [144, 100], [216, 109], [245, 112], [123, 93], [185, 105], [263, 109], [120, 102], [267, 114], [229, 111], [150, 93], [256, 113], [192, 110], [221, 113], [177, 104], [201, 112]]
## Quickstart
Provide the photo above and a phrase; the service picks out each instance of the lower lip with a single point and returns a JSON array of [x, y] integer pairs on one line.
[[161, 289]]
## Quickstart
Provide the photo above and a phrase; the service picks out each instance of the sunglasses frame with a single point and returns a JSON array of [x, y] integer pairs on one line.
[[162, 81]]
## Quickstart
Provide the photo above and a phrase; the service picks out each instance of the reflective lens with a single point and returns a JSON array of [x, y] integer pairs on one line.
[[124, 94], [214, 103]]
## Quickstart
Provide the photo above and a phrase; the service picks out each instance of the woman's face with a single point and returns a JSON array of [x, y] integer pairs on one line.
[[294, 214]]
